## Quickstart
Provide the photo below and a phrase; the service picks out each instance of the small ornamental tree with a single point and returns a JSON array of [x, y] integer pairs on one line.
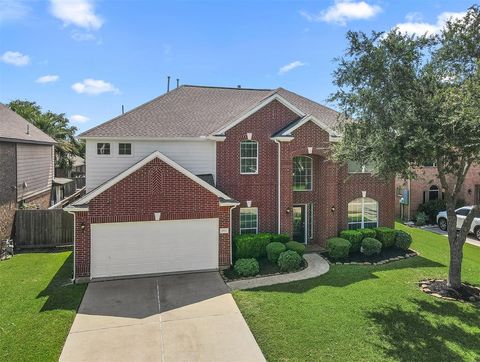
[[410, 100]]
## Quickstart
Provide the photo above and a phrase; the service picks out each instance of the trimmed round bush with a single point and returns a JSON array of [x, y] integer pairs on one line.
[[251, 245], [289, 260], [367, 233], [403, 240], [296, 247], [354, 236], [371, 246], [246, 267], [280, 238], [421, 219], [386, 236], [274, 250], [338, 248]]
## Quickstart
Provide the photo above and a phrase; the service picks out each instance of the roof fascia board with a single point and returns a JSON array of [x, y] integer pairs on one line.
[[85, 199], [288, 132], [18, 140], [116, 138], [282, 138], [256, 108]]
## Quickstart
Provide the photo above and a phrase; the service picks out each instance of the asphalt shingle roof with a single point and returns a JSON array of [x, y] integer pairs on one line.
[[13, 128], [194, 111]]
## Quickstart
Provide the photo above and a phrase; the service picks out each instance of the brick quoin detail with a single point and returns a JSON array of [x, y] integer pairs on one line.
[[332, 185], [131, 200]]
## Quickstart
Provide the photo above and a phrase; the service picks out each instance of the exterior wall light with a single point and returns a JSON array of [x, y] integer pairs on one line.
[[82, 226], [332, 209], [288, 210]]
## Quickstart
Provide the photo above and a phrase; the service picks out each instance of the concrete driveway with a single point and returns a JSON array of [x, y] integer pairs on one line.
[[470, 238], [186, 317]]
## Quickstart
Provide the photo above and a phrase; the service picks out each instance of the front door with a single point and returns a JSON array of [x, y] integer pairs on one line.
[[299, 227]]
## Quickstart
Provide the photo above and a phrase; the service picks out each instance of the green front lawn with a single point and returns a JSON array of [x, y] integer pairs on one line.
[[37, 305], [369, 313]]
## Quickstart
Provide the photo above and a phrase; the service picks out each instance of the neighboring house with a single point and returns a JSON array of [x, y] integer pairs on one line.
[[426, 186], [171, 181], [68, 184], [26, 167]]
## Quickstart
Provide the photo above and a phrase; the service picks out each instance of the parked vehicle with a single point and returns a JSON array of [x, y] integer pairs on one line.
[[461, 215]]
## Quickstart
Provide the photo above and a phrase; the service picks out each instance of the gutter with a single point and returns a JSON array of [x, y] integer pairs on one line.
[[278, 185]]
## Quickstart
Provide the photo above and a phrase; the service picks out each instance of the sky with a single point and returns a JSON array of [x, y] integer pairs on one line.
[[87, 58]]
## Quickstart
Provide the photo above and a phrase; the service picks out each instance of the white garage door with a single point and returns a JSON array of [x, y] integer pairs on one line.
[[131, 248]]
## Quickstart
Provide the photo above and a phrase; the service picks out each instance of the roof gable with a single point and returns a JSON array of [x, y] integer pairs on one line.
[[80, 203]]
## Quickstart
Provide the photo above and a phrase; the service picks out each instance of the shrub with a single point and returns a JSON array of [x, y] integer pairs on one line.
[[386, 236], [251, 245], [367, 233], [274, 250], [421, 219], [354, 236], [338, 248], [296, 247], [403, 240], [289, 260], [246, 267], [431, 209], [280, 238], [371, 246]]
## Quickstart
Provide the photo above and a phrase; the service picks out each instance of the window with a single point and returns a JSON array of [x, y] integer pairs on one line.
[[248, 157], [433, 193], [249, 220], [124, 148], [103, 148], [362, 213], [356, 167], [310, 221], [302, 173], [462, 212]]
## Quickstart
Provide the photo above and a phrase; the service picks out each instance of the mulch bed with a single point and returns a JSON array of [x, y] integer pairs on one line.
[[266, 269], [439, 288], [385, 256]]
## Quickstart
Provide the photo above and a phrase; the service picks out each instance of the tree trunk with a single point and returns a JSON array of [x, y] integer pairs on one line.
[[455, 269]]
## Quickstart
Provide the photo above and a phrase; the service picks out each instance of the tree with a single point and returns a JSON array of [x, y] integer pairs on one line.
[[409, 100], [56, 126]]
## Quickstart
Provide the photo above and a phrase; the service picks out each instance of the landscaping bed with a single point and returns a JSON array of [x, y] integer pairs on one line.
[[266, 269], [439, 288], [385, 256]]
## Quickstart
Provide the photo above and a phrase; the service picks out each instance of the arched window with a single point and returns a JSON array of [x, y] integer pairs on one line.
[[362, 213], [433, 193], [302, 173], [249, 157]]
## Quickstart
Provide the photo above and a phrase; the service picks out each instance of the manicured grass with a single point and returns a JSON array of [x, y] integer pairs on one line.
[[37, 305], [369, 313]]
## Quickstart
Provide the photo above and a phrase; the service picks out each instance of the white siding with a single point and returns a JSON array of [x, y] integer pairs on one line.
[[35, 168], [196, 156]]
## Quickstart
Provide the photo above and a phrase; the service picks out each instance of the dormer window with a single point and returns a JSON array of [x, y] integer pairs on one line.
[[248, 157], [103, 148]]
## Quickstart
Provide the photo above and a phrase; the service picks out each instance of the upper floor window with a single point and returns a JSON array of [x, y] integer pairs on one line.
[[103, 148], [302, 173], [124, 148], [356, 167], [248, 220], [362, 213], [249, 157]]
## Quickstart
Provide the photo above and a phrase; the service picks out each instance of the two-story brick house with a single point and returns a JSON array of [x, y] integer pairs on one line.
[[170, 182]]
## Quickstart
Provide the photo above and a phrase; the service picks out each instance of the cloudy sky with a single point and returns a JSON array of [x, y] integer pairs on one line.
[[87, 58]]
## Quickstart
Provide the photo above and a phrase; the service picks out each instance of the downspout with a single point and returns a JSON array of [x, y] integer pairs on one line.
[[74, 240], [231, 236], [278, 186]]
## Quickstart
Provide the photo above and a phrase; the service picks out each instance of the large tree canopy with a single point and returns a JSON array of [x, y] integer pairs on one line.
[[412, 100], [56, 126]]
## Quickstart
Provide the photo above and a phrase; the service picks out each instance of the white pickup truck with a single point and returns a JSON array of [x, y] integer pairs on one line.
[[461, 215]]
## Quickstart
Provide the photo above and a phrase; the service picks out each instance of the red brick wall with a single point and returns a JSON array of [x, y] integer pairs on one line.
[[156, 187], [332, 185], [261, 189], [426, 177]]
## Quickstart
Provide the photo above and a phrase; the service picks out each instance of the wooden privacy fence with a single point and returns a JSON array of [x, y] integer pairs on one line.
[[43, 228]]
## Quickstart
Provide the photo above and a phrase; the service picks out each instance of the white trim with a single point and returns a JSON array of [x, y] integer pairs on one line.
[[282, 138], [288, 131], [311, 214], [240, 218], [257, 158], [126, 155], [134, 138], [256, 108], [311, 176], [157, 154], [111, 150]]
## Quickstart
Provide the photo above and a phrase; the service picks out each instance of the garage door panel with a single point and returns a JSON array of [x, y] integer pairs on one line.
[[153, 247]]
